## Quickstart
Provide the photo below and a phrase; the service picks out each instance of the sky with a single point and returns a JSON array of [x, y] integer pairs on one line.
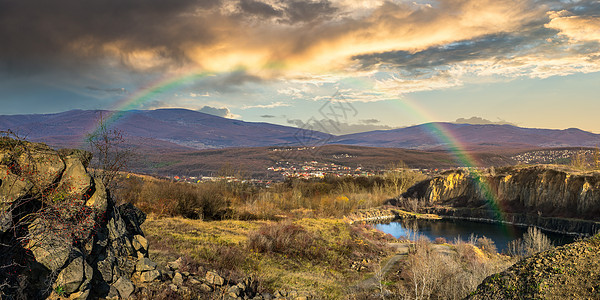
[[365, 64]]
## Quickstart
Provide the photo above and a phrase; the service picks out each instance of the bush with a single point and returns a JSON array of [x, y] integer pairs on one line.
[[439, 240], [287, 239], [533, 241]]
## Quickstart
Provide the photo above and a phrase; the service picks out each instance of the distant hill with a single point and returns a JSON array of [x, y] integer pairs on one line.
[[475, 137], [166, 129], [181, 129]]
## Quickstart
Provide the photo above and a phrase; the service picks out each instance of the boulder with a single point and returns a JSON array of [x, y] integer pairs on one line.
[[178, 278], [124, 286], [175, 265], [133, 218], [105, 268], [214, 278], [99, 200], [71, 277], [149, 276], [49, 247], [12, 187], [145, 264], [139, 243], [75, 179]]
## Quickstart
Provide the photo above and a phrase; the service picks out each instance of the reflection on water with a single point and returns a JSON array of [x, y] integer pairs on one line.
[[451, 229]]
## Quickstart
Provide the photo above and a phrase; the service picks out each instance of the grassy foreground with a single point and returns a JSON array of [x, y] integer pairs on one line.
[[306, 255]]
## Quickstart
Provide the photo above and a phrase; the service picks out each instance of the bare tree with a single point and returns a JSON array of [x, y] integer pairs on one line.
[[110, 153]]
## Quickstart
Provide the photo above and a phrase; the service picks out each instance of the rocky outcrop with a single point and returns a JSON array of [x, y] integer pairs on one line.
[[61, 234], [544, 196], [566, 272]]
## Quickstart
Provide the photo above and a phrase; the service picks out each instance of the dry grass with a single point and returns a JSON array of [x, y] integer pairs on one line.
[[311, 255], [329, 197]]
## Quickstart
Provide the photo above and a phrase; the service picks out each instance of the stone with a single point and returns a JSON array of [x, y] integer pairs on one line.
[[124, 266], [149, 276], [175, 265], [214, 278], [6, 217], [124, 286], [145, 264], [234, 291], [133, 217], [75, 179], [139, 243], [194, 281], [173, 287], [267, 296], [105, 268], [44, 166], [71, 277], [206, 288], [12, 187], [178, 278], [113, 293], [116, 227], [82, 295], [99, 200]]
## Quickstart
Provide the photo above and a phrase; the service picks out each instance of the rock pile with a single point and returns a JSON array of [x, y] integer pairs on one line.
[[60, 232]]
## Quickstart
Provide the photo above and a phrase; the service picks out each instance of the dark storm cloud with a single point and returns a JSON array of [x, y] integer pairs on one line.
[[42, 29], [307, 11], [226, 82], [495, 46], [259, 8]]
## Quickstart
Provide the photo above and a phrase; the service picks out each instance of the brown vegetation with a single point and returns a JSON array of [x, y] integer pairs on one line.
[[331, 196]]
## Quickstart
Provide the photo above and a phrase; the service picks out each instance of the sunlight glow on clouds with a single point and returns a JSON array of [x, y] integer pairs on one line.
[[271, 54]]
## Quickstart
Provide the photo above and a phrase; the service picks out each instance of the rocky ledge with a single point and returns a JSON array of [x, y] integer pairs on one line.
[[61, 235], [549, 197], [566, 272]]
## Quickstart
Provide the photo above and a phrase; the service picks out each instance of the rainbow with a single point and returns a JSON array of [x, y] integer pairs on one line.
[[459, 152], [142, 95], [437, 130]]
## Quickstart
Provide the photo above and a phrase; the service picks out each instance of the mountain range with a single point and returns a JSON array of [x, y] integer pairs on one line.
[[181, 129]]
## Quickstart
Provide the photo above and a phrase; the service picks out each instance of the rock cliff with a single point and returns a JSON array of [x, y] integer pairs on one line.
[[546, 196], [60, 232]]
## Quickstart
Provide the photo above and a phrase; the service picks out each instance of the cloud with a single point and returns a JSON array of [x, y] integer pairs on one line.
[[259, 8], [577, 28], [336, 128], [267, 116], [271, 105], [118, 91], [399, 46], [481, 121], [223, 112], [370, 121]]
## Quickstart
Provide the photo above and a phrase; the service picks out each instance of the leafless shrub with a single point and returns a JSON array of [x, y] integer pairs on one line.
[[533, 241]]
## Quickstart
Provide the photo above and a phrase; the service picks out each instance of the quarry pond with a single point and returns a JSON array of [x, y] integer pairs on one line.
[[451, 229]]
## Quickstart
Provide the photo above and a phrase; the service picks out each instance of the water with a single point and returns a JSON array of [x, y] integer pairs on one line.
[[451, 229]]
